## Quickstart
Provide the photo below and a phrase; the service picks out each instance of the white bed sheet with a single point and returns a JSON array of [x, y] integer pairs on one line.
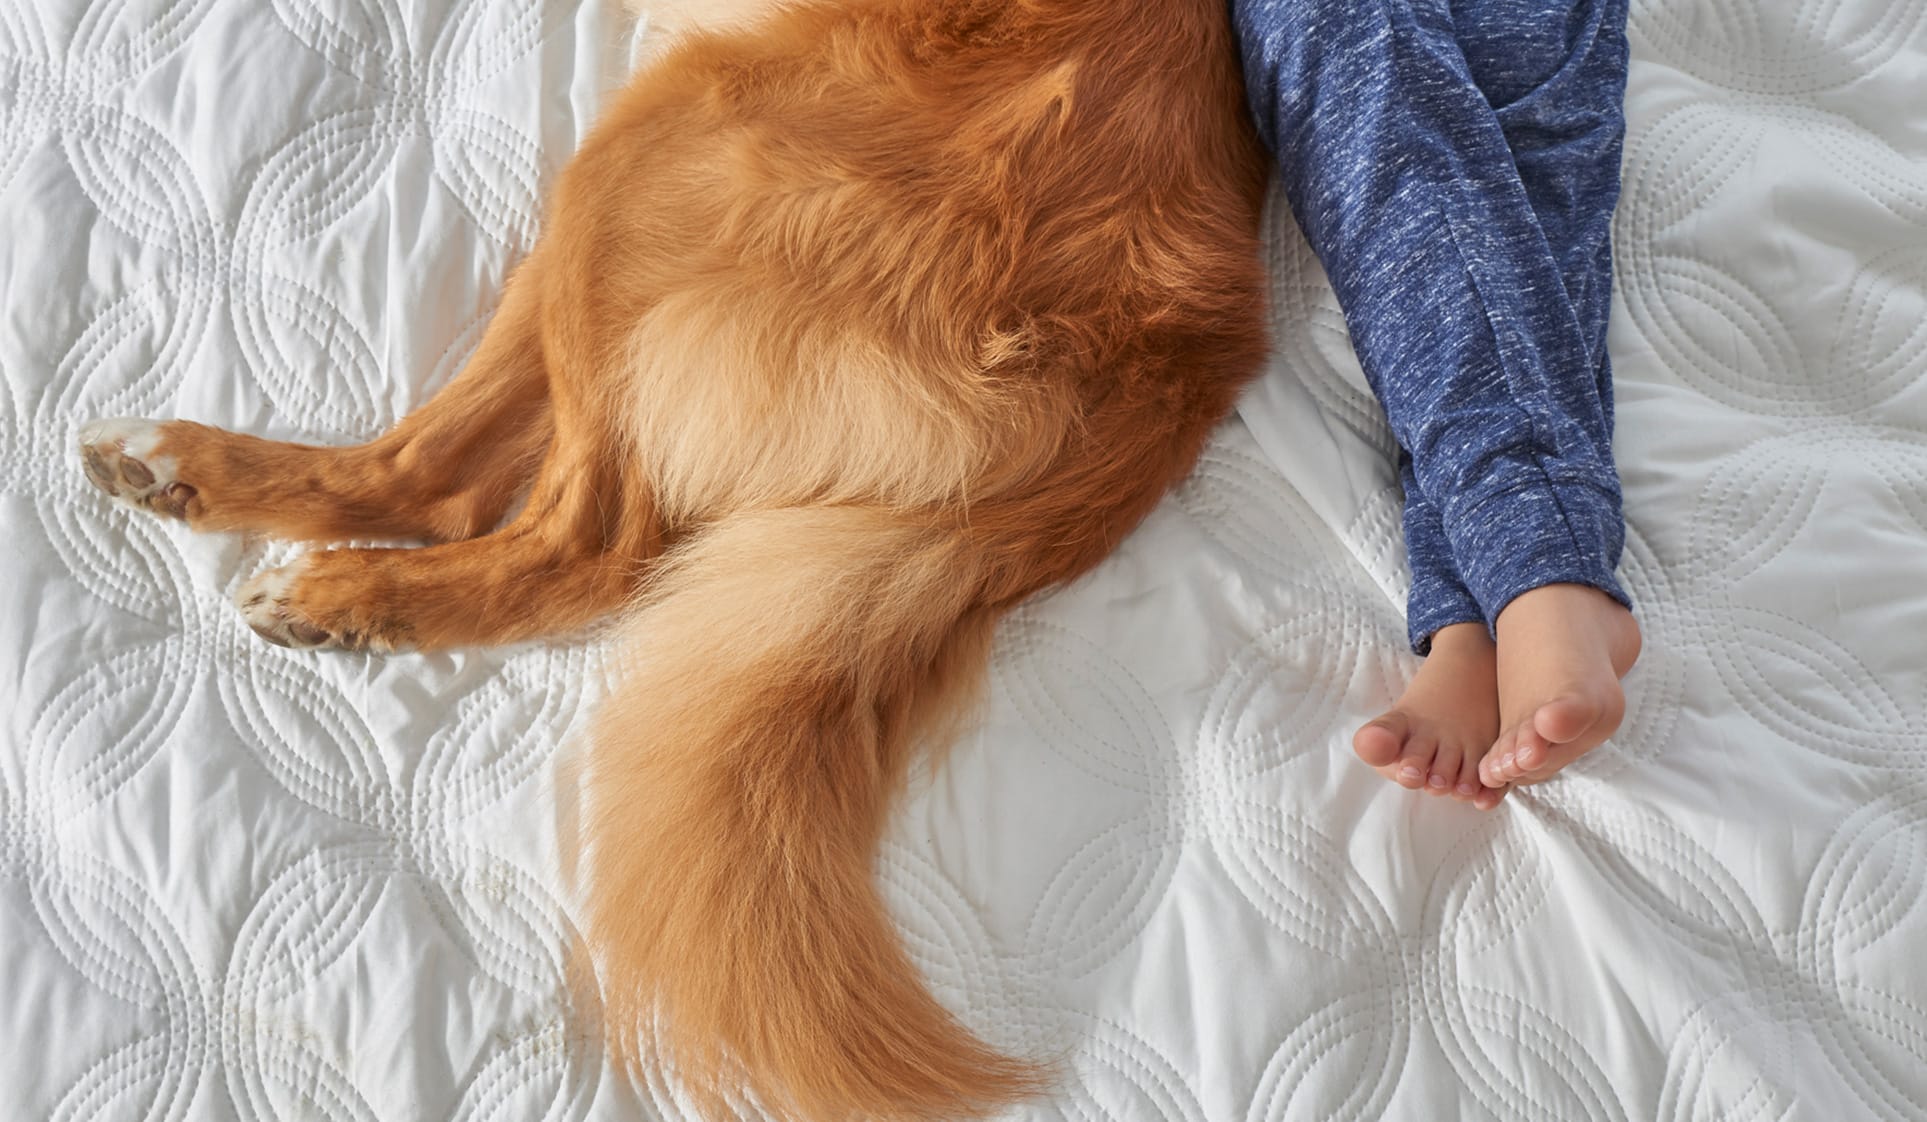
[[243, 882]]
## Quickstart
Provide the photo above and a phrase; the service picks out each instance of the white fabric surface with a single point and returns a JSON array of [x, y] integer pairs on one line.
[[243, 882]]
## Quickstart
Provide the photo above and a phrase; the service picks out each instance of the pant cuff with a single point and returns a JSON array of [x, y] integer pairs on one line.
[[1436, 603], [1536, 534]]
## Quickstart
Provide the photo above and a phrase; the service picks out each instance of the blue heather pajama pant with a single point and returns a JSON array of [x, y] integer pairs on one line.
[[1454, 164]]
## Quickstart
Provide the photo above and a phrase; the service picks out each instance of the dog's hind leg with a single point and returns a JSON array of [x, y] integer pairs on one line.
[[576, 551], [449, 470]]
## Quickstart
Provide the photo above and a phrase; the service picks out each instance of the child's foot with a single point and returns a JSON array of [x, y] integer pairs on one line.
[[1434, 737], [1562, 650]]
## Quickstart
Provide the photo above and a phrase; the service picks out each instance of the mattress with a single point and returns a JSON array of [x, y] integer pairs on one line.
[[239, 882]]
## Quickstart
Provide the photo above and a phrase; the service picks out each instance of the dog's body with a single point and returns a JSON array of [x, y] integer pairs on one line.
[[878, 316]]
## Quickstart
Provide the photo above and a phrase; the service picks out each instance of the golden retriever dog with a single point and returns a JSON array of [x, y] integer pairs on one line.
[[853, 324]]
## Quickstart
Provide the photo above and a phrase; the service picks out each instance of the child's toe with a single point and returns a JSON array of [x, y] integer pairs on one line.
[[1494, 768], [1416, 764], [1466, 785], [1445, 769], [1380, 742], [1531, 753], [1569, 716]]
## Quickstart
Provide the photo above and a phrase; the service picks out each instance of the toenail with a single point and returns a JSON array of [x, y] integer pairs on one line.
[[1468, 788], [135, 472], [269, 635], [307, 633], [1409, 772], [172, 499], [1439, 781]]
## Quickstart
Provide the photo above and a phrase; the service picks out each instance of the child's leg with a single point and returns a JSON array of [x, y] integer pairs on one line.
[[1556, 79], [1400, 171], [1434, 737]]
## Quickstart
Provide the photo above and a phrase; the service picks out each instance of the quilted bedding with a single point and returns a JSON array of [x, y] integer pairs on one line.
[[243, 882]]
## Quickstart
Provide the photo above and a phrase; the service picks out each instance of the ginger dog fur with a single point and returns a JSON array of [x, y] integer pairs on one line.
[[852, 325]]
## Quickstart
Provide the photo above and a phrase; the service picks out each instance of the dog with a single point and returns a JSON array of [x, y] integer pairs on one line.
[[853, 324]]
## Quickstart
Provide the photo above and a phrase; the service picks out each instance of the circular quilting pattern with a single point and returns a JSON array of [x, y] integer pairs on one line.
[[1100, 896], [1734, 314], [1084, 705], [1241, 502], [107, 929], [1803, 664], [1303, 673], [1799, 47], [309, 970], [306, 321], [1346, 1054], [1114, 1073], [1508, 1052]]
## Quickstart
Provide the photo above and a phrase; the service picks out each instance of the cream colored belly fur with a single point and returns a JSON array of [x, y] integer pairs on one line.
[[729, 410]]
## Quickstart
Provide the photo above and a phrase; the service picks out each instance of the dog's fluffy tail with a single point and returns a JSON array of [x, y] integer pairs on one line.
[[738, 784]]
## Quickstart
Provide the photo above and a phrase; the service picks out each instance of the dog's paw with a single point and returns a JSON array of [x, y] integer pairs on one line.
[[297, 607], [119, 456], [266, 601]]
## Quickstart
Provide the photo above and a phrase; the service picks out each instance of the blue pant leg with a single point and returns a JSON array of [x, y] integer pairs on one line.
[[1555, 76], [1400, 174], [1541, 67]]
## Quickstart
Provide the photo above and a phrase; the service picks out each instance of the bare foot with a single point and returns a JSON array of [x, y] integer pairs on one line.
[[1562, 650], [1433, 738]]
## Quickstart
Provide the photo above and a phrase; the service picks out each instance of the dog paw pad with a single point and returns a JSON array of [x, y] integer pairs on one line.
[[119, 457], [266, 603]]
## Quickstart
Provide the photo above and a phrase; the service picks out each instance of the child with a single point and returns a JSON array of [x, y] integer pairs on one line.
[[1454, 164]]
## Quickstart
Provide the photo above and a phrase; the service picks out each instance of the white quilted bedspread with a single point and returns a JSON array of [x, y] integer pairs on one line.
[[243, 882]]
